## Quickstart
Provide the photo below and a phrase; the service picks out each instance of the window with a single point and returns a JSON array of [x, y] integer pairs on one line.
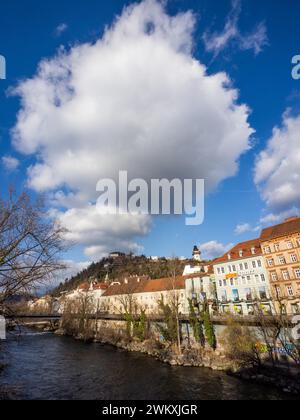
[[219, 270], [223, 296], [271, 262], [267, 250], [259, 264], [223, 270], [220, 283], [224, 283], [235, 295], [298, 241], [297, 273], [254, 264], [229, 257], [241, 267], [234, 268], [253, 250], [262, 293], [231, 282], [229, 269], [274, 276], [281, 260], [248, 279], [277, 247], [290, 291], [241, 253], [250, 309], [263, 278], [294, 258], [248, 293], [285, 275], [244, 280], [246, 266], [289, 245], [256, 279]]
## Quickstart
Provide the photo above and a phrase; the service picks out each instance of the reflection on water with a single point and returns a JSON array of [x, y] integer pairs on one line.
[[43, 366]]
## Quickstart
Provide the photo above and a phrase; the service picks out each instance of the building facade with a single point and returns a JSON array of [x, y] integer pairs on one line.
[[242, 280], [136, 294], [200, 286], [281, 250]]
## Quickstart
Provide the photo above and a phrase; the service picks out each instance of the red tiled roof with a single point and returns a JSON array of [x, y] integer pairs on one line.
[[100, 286], [84, 286], [246, 247], [133, 286], [288, 227]]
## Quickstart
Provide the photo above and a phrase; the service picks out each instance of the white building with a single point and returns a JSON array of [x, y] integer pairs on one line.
[[242, 280], [200, 284], [92, 290], [135, 293]]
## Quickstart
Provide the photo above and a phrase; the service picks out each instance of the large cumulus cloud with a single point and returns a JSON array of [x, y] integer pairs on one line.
[[135, 100], [277, 169]]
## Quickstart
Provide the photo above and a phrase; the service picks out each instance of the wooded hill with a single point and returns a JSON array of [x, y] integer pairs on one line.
[[111, 269]]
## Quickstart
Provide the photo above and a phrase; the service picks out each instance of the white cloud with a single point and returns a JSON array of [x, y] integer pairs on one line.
[[273, 218], [246, 227], [72, 268], [214, 249], [60, 29], [100, 234], [10, 163], [216, 42], [256, 40], [242, 228], [135, 100], [277, 168]]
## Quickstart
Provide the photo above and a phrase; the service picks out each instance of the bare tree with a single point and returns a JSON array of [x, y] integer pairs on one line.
[[30, 245]]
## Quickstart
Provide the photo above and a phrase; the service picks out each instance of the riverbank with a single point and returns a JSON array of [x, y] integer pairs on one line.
[[286, 380]]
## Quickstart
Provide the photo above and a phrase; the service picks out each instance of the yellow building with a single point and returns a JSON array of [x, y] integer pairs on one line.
[[281, 250]]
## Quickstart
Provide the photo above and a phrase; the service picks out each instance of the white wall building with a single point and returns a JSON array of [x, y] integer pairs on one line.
[[143, 294], [91, 290], [242, 280], [200, 286]]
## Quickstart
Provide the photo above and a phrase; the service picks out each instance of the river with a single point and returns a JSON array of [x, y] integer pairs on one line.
[[44, 366]]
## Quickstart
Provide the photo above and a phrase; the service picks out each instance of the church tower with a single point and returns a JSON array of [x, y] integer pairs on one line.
[[197, 254]]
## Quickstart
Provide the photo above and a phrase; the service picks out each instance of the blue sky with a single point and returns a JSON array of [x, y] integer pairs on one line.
[[257, 41]]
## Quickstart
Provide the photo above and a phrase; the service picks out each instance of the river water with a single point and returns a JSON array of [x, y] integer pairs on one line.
[[44, 366]]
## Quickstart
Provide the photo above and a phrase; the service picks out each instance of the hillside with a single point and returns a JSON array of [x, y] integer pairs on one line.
[[114, 268]]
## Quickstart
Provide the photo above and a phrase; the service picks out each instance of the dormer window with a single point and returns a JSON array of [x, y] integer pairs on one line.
[[229, 256], [253, 250], [241, 253]]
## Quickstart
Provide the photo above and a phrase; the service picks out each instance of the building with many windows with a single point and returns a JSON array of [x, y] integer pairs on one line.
[[281, 250], [242, 280], [200, 286]]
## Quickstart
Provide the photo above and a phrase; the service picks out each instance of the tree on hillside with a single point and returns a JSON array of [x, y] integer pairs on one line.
[[30, 246]]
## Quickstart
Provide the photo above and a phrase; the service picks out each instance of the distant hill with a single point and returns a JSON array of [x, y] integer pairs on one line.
[[125, 265]]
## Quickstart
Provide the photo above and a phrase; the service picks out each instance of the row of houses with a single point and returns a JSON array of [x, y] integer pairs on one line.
[[264, 271]]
